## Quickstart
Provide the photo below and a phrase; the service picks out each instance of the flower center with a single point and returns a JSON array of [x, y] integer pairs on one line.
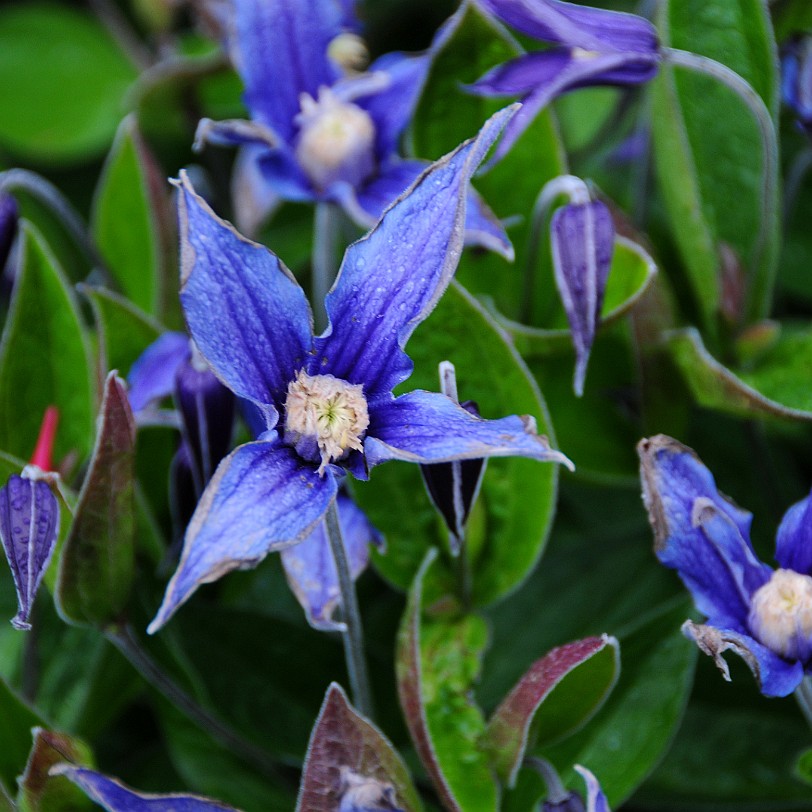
[[349, 52], [781, 614], [336, 140], [325, 417]]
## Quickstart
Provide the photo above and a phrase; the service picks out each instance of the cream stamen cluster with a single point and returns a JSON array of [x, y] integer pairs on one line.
[[781, 614], [327, 411], [336, 140]]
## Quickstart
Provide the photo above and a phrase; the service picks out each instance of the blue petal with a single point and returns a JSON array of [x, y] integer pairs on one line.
[[280, 51], [311, 570], [573, 25], [555, 71], [262, 497], [428, 427], [152, 376], [775, 675], [29, 525], [582, 239], [392, 108], [391, 279], [595, 799], [252, 195], [246, 312], [699, 532], [116, 797], [793, 547], [484, 229]]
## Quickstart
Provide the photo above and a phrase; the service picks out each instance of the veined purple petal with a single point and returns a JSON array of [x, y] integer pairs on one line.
[[428, 427], [311, 570], [207, 411], [699, 532], [793, 546], [152, 376], [483, 227], [582, 241], [595, 799], [574, 25], [775, 675], [117, 797], [237, 132], [558, 71], [245, 311], [262, 497], [29, 525], [391, 279], [280, 51]]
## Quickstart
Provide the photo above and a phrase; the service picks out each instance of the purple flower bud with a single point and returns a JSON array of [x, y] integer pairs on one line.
[[796, 79], [29, 525], [582, 236], [572, 803], [9, 218]]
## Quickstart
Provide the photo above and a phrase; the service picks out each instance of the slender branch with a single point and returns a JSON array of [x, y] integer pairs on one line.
[[803, 693], [326, 230], [125, 641], [556, 791], [47, 194], [353, 635], [120, 30], [795, 176], [769, 148]]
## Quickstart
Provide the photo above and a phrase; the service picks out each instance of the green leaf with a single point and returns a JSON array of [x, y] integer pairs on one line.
[[124, 330], [96, 568], [41, 792], [342, 740], [128, 208], [775, 386], [555, 697], [44, 359], [630, 734], [438, 662], [446, 115], [714, 196], [509, 525], [63, 79], [16, 721]]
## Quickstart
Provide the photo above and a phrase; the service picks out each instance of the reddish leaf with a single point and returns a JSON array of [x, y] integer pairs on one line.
[[343, 740]]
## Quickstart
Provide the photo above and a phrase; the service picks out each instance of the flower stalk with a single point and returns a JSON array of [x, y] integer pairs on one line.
[[326, 228]]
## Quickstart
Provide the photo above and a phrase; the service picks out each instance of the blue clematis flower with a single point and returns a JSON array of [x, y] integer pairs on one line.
[[319, 130], [591, 46], [763, 615], [327, 400], [796, 79]]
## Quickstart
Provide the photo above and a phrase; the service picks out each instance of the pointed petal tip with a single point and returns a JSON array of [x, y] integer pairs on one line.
[[20, 621]]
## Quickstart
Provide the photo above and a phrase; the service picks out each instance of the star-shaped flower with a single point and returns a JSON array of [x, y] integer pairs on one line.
[[591, 46], [763, 615], [327, 400], [320, 130]]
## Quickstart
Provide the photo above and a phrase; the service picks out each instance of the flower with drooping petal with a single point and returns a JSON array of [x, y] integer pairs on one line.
[[763, 615], [29, 521], [572, 802], [319, 130], [327, 400], [591, 46], [115, 796]]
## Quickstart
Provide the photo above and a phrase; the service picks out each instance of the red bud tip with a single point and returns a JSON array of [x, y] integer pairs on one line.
[[43, 451]]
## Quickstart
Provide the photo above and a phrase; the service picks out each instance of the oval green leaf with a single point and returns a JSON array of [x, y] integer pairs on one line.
[[63, 80]]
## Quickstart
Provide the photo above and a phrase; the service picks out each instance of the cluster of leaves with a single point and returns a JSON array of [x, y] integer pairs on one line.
[[705, 335]]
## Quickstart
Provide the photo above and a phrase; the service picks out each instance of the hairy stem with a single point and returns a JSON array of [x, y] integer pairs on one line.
[[353, 635], [760, 290], [125, 641]]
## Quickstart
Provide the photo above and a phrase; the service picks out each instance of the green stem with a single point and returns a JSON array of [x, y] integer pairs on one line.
[[326, 230], [353, 634], [125, 641], [803, 693], [760, 289]]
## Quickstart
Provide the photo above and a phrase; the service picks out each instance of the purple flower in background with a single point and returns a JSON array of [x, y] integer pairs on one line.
[[117, 797], [327, 400], [796, 78], [591, 46], [582, 239], [29, 520], [319, 130], [763, 615]]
